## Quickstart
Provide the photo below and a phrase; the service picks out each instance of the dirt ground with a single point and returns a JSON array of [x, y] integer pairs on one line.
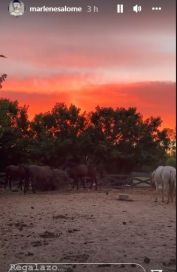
[[87, 227]]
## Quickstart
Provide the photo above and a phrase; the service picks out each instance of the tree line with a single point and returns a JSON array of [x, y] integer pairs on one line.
[[118, 139]]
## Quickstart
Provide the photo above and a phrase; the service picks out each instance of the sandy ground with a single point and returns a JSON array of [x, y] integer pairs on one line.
[[87, 227]]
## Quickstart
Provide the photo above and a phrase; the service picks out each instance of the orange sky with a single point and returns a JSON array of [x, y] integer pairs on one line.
[[160, 100], [106, 60]]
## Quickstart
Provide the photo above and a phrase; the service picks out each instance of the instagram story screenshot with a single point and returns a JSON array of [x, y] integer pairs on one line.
[[88, 135]]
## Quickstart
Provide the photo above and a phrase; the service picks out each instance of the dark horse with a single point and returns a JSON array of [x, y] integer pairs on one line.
[[80, 172], [15, 173]]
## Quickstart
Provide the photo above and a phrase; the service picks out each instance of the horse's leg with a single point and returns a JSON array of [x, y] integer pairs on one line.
[[91, 183], [171, 196], [73, 184], [6, 181], [156, 193], [20, 185], [96, 184], [168, 195], [10, 183], [77, 184], [163, 197], [174, 193], [26, 185], [83, 182], [24, 188], [33, 187], [172, 189]]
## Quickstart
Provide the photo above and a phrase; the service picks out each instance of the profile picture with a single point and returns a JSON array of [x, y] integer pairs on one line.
[[16, 8]]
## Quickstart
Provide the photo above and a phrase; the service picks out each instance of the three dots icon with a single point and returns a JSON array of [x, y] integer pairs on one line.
[[156, 8]]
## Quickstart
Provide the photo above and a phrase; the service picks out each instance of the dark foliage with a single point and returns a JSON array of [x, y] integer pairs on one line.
[[117, 139]]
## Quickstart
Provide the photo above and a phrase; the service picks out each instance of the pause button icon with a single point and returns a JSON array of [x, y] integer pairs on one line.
[[120, 8]]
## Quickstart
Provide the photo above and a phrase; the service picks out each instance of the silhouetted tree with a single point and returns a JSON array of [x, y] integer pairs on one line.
[[14, 136], [118, 138]]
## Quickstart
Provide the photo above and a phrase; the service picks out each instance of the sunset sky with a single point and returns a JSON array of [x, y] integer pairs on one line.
[[105, 59]]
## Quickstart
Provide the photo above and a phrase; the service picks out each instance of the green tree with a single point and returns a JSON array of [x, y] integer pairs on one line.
[[171, 154], [14, 136], [57, 134], [124, 141], [118, 138]]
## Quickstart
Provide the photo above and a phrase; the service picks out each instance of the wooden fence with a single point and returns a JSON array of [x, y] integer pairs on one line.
[[135, 179]]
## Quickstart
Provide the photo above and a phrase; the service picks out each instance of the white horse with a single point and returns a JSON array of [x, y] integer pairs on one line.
[[164, 179]]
